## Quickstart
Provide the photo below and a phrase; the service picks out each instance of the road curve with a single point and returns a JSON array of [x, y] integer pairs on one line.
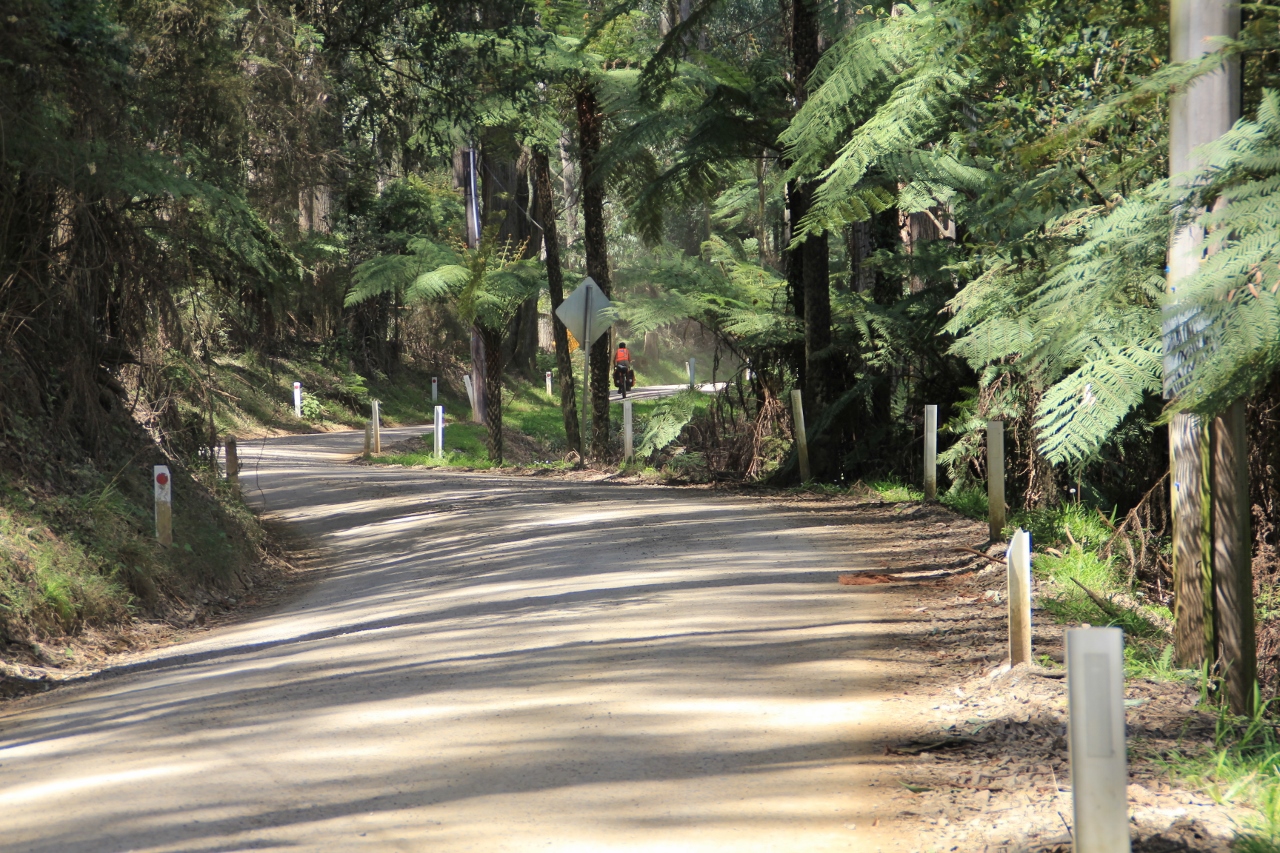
[[487, 663]]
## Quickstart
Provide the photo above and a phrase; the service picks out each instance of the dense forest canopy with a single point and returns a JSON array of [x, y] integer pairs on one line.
[[963, 203]]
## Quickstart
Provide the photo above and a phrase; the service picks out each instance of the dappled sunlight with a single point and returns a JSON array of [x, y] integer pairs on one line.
[[491, 665]]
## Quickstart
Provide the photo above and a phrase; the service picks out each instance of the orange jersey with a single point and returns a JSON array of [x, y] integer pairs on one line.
[[623, 356]]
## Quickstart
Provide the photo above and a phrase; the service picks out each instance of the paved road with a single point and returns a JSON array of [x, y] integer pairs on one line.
[[487, 663]]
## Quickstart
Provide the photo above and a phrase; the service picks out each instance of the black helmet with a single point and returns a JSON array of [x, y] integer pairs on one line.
[[622, 345]]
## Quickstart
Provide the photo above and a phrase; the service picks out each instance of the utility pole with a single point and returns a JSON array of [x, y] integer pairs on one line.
[[1211, 560]]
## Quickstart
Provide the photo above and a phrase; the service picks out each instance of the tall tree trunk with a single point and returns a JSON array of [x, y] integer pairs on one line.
[[569, 183], [545, 213], [814, 273], [492, 339], [1203, 113], [589, 127]]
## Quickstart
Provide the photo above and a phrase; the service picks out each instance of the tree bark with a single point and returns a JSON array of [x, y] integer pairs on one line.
[[492, 339], [814, 273], [590, 120], [545, 214]]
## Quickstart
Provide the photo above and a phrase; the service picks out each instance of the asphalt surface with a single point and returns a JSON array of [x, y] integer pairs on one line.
[[486, 663]]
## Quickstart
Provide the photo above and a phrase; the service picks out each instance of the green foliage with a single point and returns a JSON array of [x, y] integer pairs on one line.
[[666, 422]]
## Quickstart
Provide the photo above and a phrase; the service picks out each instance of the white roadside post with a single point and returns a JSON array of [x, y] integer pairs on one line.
[[297, 400], [164, 504], [439, 432], [471, 396], [627, 449], [1019, 564], [1096, 739], [930, 453], [802, 442], [233, 466], [435, 389], [995, 478], [548, 383], [377, 426], [693, 368]]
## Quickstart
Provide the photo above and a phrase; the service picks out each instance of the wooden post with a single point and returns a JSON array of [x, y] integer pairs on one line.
[[930, 453], [368, 439], [1192, 582], [1232, 561], [1018, 559], [802, 442], [439, 432], [233, 465], [164, 504], [377, 426], [1095, 738], [995, 478], [627, 451]]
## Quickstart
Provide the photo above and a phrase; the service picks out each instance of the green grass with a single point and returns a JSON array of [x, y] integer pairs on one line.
[[528, 409], [1242, 766], [969, 500], [893, 490], [87, 556]]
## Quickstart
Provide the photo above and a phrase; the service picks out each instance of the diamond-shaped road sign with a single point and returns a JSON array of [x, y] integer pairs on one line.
[[585, 312]]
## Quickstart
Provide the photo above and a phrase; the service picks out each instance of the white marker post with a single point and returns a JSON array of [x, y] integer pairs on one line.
[[548, 383], [1019, 563], [233, 466], [627, 435], [802, 442], [1095, 734], [377, 426], [164, 504], [439, 432], [435, 389], [297, 400], [471, 396], [995, 478], [693, 367], [930, 453]]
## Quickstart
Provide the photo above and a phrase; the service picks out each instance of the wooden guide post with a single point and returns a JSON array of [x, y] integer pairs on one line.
[[377, 426], [1232, 563], [1095, 735], [368, 439], [439, 432], [802, 441], [930, 453], [164, 504], [1019, 565], [995, 478], [627, 439], [233, 465]]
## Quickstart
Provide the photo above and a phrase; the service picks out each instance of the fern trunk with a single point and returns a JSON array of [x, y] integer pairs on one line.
[[544, 206], [590, 119], [492, 341]]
